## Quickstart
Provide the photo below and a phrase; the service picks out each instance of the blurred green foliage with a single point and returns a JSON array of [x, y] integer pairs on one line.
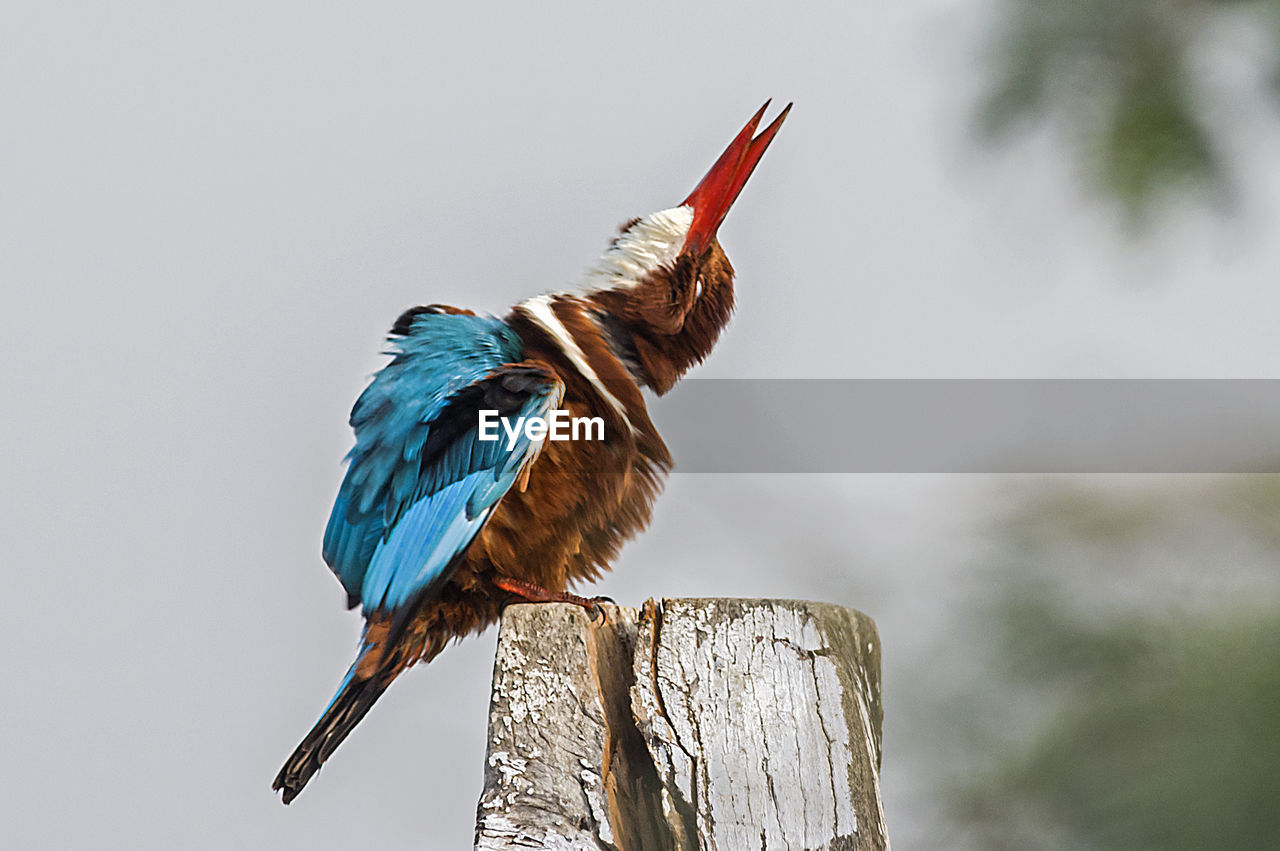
[[1122, 78], [1150, 699]]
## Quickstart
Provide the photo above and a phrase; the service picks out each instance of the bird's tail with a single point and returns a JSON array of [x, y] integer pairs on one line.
[[354, 698]]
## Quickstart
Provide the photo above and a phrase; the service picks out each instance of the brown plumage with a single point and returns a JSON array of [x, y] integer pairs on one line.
[[653, 307]]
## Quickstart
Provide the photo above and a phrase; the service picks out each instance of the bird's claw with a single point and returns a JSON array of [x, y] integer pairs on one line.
[[528, 592], [599, 616]]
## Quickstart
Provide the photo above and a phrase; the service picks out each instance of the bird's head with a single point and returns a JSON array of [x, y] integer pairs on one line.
[[664, 288]]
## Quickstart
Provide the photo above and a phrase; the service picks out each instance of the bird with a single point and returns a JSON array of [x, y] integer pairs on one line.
[[437, 526]]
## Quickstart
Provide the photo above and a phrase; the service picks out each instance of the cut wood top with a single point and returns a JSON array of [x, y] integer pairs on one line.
[[690, 723]]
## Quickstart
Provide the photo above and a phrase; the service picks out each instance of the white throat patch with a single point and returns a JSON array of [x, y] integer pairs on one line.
[[651, 243]]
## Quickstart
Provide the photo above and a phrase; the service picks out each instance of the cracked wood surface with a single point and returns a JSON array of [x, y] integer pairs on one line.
[[687, 724]]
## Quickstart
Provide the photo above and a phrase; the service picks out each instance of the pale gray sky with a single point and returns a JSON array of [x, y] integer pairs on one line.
[[211, 213]]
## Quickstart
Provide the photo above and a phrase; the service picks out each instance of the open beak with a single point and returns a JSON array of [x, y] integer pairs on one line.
[[715, 194]]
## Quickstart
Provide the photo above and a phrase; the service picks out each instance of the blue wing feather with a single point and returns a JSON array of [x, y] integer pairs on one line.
[[421, 546], [439, 525], [421, 484]]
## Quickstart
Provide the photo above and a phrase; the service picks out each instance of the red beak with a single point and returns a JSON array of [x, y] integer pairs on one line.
[[715, 194]]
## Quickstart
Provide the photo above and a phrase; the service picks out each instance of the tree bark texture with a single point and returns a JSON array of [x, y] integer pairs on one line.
[[687, 724]]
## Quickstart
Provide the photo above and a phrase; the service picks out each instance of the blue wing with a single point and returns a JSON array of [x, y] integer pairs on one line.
[[421, 483]]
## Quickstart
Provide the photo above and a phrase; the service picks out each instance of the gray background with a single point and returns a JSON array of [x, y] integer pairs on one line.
[[211, 213]]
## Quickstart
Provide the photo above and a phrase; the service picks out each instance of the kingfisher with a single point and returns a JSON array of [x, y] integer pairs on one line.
[[437, 525]]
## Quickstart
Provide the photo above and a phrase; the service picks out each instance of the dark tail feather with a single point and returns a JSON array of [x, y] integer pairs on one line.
[[349, 705]]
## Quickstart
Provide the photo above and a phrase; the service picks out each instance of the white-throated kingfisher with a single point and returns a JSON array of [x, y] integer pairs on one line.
[[434, 529]]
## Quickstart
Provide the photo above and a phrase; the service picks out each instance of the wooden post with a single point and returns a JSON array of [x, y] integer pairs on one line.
[[690, 724]]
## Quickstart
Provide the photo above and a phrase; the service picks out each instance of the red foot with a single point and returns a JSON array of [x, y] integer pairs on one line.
[[531, 593]]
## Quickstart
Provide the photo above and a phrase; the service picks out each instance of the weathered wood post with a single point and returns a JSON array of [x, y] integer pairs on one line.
[[688, 724]]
